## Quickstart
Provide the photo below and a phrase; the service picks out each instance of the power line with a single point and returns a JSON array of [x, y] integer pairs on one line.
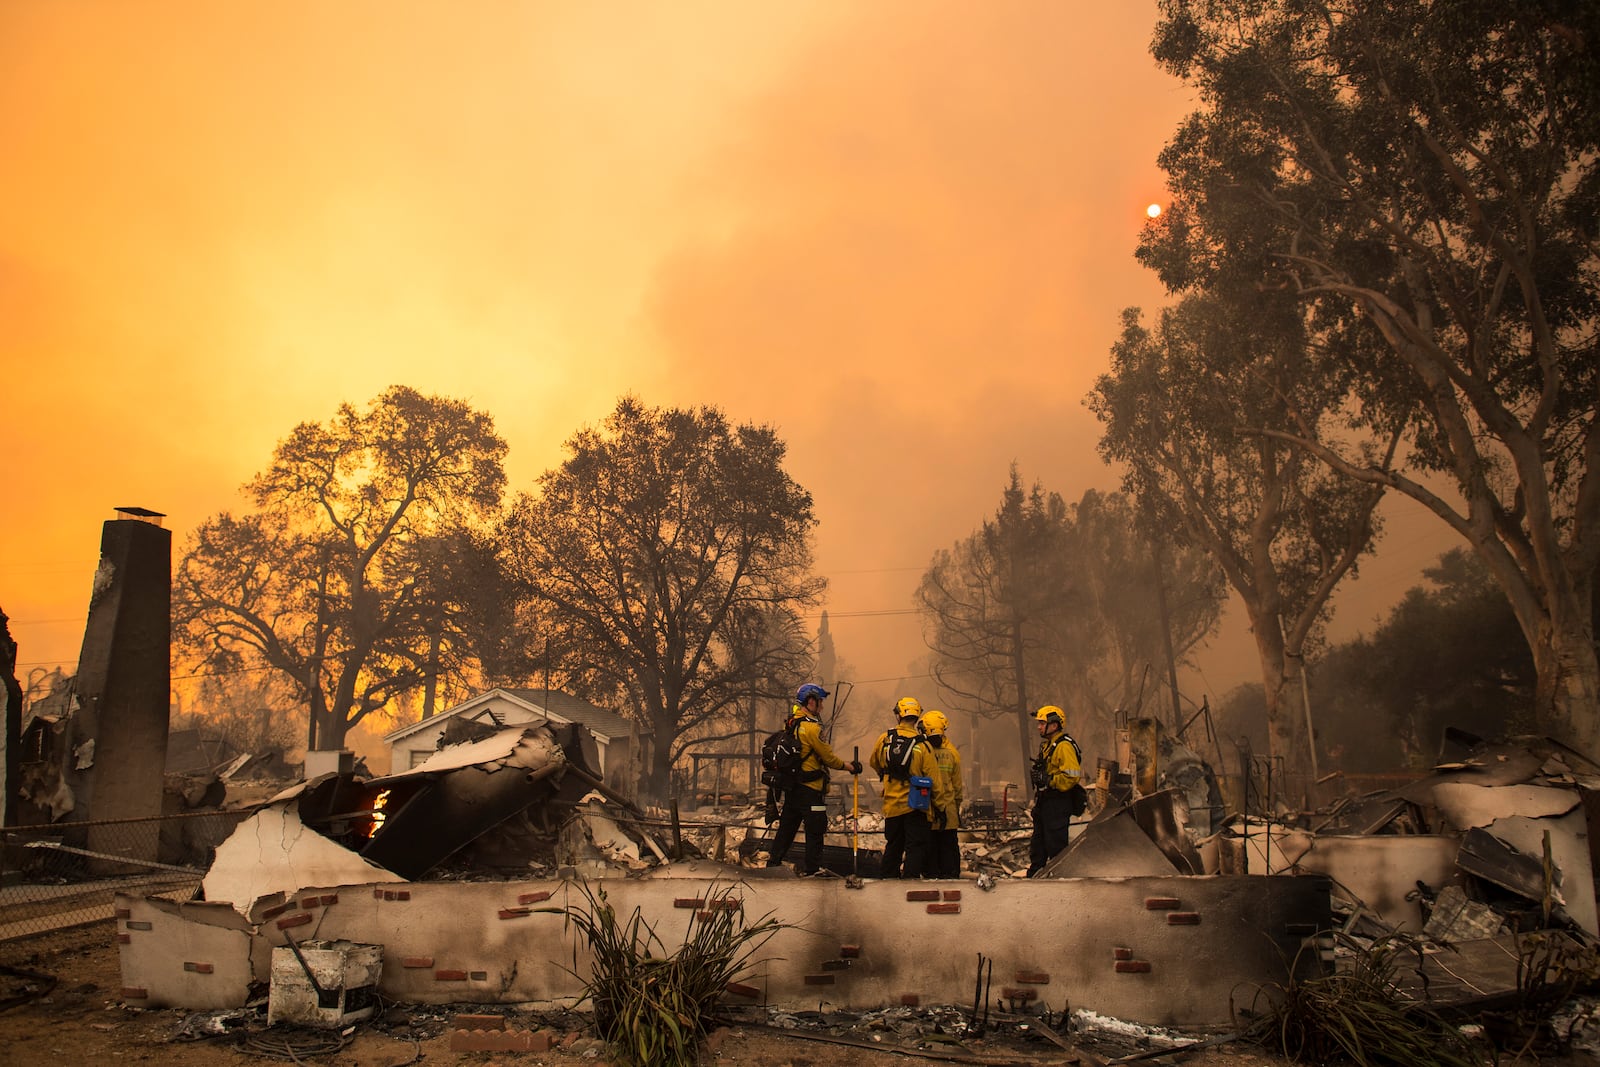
[[870, 614]]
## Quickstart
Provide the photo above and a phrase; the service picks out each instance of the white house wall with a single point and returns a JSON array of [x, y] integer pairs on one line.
[[274, 852]]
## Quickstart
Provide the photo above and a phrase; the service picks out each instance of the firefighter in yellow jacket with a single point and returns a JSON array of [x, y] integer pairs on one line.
[[912, 789], [805, 800], [945, 856], [1058, 794]]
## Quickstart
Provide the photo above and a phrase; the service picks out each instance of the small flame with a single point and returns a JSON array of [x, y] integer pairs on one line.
[[379, 802]]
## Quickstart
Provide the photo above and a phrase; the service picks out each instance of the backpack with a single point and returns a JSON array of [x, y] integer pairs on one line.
[[897, 756], [781, 755]]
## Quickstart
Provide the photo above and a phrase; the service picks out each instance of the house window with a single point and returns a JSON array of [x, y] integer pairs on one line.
[[419, 756]]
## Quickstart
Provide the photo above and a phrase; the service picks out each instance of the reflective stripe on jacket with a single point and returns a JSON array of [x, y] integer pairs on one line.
[[817, 754], [1061, 763]]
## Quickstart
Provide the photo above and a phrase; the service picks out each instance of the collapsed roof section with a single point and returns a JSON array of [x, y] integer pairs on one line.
[[341, 829]]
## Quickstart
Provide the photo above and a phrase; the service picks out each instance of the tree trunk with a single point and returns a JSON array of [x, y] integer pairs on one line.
[[1286, 735], [1567, 693], [430, 689], [658, 781], [1555, 609]]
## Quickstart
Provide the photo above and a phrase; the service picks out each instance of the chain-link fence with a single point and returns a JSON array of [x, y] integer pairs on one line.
[[64, 875]]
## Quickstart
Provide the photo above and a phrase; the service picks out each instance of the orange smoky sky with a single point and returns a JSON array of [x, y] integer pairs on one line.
[[899, 232]]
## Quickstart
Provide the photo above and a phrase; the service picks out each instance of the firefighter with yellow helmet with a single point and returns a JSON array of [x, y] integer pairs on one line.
[[1057, 778], [945, 856], [912, 789]]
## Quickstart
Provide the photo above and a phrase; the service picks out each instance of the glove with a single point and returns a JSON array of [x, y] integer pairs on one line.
[[855, 766], [938, 820]]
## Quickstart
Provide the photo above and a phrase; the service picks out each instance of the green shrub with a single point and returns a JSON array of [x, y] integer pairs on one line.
[[652, 1007]]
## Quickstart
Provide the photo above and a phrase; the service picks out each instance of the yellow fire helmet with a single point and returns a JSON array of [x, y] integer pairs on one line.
[[935, 722], [1050, 713], [908, 708]]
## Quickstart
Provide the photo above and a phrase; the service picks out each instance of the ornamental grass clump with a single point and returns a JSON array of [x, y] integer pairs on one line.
[[653, 1007], [1357, 1016]]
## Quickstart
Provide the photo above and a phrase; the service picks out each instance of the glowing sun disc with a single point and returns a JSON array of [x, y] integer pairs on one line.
[[1153, 210]]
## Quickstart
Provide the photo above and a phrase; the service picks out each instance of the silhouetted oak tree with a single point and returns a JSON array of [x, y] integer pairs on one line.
[[335, 579], [670, 557]]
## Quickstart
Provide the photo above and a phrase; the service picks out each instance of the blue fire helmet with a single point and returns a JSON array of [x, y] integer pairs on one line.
[[807, 691]]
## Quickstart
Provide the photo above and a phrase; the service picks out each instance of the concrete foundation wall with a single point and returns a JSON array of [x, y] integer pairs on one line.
[[1159, 950], [1377, 872]]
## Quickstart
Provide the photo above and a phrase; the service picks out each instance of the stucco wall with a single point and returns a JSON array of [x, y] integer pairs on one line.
[[1161, 951]]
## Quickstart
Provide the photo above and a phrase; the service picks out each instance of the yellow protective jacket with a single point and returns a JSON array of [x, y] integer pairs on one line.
[[949, 761], [816, 754], [897, 794], [1061, 762]]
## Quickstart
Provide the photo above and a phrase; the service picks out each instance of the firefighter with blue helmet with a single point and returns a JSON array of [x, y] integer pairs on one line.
[[805, 801], [1057, 779]]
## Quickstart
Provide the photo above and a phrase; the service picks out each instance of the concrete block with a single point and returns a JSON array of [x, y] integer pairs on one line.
[[345, 990]]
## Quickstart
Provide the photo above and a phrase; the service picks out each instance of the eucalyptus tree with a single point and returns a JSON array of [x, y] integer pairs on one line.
[[331, 580], [1152, 596], [670, 557], [1188, 412], [1426, 175]]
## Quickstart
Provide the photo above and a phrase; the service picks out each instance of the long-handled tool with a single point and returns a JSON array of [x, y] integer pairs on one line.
[[855, 811]]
